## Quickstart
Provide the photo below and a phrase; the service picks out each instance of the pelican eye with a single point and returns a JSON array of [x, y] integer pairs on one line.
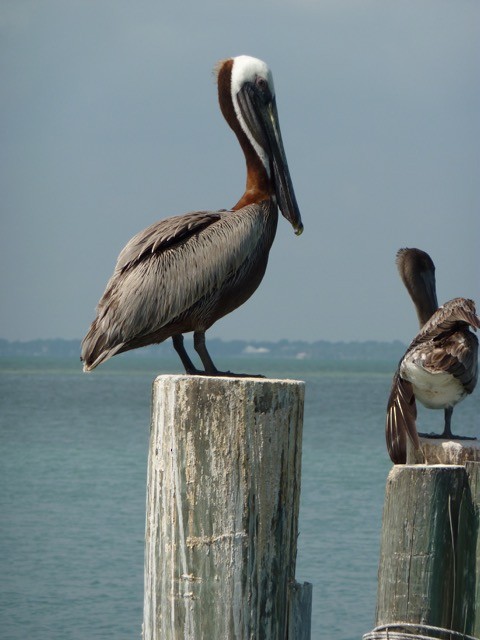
[[263, 89], [261, 83]]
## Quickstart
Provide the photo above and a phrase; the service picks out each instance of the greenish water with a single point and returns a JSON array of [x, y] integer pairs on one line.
[[73, 451]]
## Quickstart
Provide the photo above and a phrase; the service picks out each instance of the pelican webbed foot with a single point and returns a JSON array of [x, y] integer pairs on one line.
[[201, 349], [445, 436], [230, 374], [210, 368], [221, 374]]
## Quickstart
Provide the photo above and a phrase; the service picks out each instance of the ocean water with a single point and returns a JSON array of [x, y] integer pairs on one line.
[[73, 454]]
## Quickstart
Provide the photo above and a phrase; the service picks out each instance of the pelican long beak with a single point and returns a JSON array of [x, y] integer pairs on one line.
[[261, 118], [286, 199]]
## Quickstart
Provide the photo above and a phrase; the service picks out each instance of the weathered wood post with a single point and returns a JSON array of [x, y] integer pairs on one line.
[[222, 510], [429, 568], [468, 574]]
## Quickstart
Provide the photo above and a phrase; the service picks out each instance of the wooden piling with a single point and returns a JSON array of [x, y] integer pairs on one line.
[[430, 548], [222, 510], [467, 606]]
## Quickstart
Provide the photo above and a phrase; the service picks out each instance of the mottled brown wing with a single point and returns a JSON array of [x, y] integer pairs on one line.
[[446, 320], [456, 354], [163, 234], [401, 420]]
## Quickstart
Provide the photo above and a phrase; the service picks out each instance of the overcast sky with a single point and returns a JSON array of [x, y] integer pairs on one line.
[[110, 122]]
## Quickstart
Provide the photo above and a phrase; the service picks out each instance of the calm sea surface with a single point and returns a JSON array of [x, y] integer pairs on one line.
[[73, 454]]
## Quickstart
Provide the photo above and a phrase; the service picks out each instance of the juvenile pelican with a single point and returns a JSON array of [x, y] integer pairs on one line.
[[184, 273], [440, 366]]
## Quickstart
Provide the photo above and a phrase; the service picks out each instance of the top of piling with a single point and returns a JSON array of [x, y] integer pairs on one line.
[[173, 378], [436, 451]]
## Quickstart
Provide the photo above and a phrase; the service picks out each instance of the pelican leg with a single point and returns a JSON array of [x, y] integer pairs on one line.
[[201, 349], [210, 368], [447, 431], [184, 357]]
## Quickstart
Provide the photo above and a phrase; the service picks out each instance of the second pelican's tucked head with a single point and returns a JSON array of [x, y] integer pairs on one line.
[[417, 271]]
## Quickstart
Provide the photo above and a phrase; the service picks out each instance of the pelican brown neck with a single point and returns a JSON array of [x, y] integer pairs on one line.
[[258, 185], [247, 100]]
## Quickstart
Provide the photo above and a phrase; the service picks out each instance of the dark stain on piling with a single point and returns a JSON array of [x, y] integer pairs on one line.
[[264, 402]]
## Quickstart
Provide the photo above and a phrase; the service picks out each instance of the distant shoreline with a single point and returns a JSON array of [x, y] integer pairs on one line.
[[289, 349]]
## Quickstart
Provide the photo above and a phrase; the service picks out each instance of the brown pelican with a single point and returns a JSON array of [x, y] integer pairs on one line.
[[184, 273], [439, 367]]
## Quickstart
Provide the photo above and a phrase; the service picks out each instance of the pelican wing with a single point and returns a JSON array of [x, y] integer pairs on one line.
[[164, 234], [173, 270], [401, 420], [456, 354], [447, 319], [453, 348]]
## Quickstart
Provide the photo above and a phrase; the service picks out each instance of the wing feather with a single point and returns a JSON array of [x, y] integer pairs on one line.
[[401, 420], [164, 234]]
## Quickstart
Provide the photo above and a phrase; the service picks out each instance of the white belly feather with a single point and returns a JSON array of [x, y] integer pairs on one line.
[[435, 390]]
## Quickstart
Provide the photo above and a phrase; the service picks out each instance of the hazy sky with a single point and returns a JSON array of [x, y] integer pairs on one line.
[[110, 122]]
